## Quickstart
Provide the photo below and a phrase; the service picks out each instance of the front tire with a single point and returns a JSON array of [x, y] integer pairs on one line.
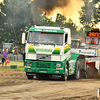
[[77, 71], [64, 76]]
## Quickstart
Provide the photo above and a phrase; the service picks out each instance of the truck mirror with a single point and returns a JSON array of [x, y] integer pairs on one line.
[[23, 38]]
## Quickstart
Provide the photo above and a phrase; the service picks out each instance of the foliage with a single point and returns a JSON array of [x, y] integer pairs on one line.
[[96, 15], [86, 15], [90, 14], [45, 21], [72, 26], [60, 20], [17, 19], [81, 32]]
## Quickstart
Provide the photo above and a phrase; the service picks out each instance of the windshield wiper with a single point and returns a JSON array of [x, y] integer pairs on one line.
[[35, 42], [50, 43]]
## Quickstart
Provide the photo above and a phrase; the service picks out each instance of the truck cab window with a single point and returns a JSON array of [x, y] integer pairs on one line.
[[66, 36], [45, 38]]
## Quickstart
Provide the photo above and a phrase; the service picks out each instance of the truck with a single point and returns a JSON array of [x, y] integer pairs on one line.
[[90, 54], [48, 53], [9, 46], [76, 43]]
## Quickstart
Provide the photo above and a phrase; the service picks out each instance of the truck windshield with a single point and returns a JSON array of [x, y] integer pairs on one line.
[[75, 44], [45, 38], [91, 40]]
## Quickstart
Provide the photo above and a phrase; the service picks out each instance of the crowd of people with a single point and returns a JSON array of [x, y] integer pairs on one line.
[[5, 55]]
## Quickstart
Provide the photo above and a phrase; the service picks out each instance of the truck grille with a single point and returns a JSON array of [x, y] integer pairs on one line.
[[43, 65], [43, 57]]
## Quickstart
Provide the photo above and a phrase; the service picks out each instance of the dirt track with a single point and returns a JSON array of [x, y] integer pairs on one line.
[[14, 85]]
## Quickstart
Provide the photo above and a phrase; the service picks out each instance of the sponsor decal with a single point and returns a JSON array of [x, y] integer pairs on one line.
[[93, 59], [38, 29], [99, 51], [71, 66], [46, 30], [93, 34], [87, 52], [44, 50], [59, 76], [30, 74]]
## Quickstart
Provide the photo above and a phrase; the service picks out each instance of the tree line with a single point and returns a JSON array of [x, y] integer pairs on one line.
[[16, 17]]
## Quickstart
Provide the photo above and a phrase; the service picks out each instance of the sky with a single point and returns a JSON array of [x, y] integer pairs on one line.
[[1, 0]]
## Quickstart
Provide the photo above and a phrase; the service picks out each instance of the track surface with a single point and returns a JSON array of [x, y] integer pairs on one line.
[[14, 85]]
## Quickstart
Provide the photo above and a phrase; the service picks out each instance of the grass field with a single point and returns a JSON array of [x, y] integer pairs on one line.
[[20, 65]]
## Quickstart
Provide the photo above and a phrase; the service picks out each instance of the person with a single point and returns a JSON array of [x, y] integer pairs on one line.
[[6, 49], [4, 55], [75, 45], [13, 50], [92, 42], [71, 44], [23, 52]]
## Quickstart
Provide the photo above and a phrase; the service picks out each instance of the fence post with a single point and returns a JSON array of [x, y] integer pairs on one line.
[[98, 94]]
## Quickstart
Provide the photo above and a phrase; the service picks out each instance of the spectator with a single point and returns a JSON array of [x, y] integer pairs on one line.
[[75, 45], [4, 55], [92, 42], [15, 54], [13, 50]]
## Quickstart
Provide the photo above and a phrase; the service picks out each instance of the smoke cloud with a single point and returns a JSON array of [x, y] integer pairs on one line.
[[47, 6]]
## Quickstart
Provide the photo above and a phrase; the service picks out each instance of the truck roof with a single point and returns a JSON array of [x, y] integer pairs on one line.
[[49, 29], [76, 39], [6, 43]]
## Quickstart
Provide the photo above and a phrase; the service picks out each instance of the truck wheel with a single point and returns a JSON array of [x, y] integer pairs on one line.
[[77, 71], [29, 76], [64, 76]]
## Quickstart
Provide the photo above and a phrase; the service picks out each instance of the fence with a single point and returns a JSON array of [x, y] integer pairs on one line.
[[13, 57]]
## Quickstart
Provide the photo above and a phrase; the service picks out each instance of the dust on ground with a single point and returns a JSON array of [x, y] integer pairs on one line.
[[14, 85]]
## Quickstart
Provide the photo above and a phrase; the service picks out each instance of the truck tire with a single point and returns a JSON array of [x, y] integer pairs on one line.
[[76, 76], [29, 76], [64, 76]]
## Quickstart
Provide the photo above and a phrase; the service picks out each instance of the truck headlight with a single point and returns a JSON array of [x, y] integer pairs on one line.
[[58, 65], [28, 63]]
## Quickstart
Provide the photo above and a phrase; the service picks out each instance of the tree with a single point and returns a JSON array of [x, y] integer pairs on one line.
[[72, 26], [89, 14], [96, 14], [81, 32], [86, 15], [45, 21], [60, 19], [2, 22], [18, 18]]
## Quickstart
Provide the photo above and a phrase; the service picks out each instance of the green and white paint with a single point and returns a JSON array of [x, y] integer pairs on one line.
[[50, 59]]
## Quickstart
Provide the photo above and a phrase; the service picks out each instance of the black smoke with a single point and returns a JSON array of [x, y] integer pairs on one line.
[[47, 6]]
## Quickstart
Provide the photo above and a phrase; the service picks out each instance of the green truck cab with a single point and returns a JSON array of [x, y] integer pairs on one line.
[[48, 53]]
